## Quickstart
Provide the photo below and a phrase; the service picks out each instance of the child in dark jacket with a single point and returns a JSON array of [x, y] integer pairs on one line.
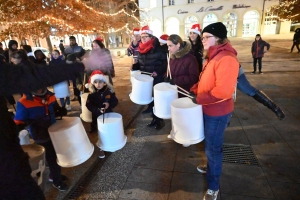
[[38, 110], [56, 58], [102, 98], [258, 50]]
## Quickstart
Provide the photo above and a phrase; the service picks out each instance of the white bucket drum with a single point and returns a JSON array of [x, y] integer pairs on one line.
[[70, 141], [141, 89], [132, 73], [111, 132], [36, 155], [187, 122], [61, 90], [24, 137], [86, 115], [164, 94]]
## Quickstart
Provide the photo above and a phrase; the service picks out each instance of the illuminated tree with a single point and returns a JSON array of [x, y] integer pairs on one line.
[[287, 10]]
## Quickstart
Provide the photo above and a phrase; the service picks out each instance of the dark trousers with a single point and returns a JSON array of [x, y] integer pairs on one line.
[[297, 46], [55, 169], [76, 91], [259, 64]]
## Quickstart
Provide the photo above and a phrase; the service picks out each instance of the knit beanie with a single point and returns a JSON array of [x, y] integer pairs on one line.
[[218, 29]]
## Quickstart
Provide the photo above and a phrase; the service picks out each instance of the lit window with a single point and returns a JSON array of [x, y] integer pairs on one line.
[[171, 2]]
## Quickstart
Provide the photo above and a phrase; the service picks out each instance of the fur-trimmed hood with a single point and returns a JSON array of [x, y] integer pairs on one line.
[[183, 51], [108, 86]]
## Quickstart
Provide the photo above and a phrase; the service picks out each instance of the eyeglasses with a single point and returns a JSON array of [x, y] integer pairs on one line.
[[144, 37], [205, 38]]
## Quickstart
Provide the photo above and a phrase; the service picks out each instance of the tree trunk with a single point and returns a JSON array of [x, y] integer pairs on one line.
[[49, 44]]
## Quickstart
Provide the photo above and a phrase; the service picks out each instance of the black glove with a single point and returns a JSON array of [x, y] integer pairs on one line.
[[61, 111], [193, 97], [172, 82], [167, 79], [136, 66]]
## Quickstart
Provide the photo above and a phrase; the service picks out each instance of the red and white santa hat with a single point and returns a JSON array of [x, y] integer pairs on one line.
[[196, 29], [136, 31], [163, 38], [146, 29], [97, 75]]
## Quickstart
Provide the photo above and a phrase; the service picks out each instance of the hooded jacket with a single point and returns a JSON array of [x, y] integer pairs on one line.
[[7, 53], [184, 67], [217, 80], [257, 48]]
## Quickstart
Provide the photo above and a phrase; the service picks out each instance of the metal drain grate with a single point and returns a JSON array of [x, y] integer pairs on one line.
[[239, 154]]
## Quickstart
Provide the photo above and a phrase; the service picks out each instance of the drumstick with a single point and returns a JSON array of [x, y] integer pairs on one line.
[[169, 66], [185, 94], [182, 89]]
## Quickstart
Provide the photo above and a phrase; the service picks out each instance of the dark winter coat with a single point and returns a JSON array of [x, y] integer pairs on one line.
[[95, 101], [14, 165], [155, 60], [258, 48], [184, 68], [75, 49], [296, 38], [197, 51], [7, 53]]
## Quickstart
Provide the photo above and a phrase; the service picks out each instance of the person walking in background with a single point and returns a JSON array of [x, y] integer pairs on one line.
[[56, 58], [197, 46], [214, 92], [152, 59], [258, 51], [132, 50], [29, 52], [12, 46], [296, 40], [183, 64], [61, 47], [1, 49]]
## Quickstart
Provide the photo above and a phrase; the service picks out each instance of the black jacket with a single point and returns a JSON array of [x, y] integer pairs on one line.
[[155, 60]]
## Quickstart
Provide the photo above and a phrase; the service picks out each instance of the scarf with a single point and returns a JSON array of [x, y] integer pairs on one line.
[[145, 47]]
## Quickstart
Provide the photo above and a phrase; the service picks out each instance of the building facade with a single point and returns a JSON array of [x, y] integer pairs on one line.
[[242, 18]]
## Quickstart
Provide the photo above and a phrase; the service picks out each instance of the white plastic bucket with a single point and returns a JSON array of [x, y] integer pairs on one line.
[[36, 155], [111, 132], [24, 137], [187, 122], [132, 73], [70, 141], [85, 115], [141, 89], [164, 94], [61, 90]]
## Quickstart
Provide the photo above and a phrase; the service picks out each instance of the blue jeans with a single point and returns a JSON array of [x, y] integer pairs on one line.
[[214, 127], [244, 86], [62, 101]]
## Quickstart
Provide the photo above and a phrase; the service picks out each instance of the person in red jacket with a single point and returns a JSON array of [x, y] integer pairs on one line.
[[214, 92], [258, 50]]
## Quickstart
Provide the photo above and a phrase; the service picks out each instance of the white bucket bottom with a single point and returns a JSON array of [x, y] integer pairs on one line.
[[141, 89], [70, 141], [61, 90], [86, 115], [164, 94], [187, 122], [111, 132], [24, 137]]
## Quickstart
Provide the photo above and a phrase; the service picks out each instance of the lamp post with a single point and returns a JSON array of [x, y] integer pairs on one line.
[[163, 17]]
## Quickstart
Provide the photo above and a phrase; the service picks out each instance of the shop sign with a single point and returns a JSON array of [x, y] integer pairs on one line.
[[181, 11], [209, 8], [235, 6]]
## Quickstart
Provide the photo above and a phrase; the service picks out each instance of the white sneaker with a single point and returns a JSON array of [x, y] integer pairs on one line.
[[68, 107], [211, 195], [101, 154], [202, 169]]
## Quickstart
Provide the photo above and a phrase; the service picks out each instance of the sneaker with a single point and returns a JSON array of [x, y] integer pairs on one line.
[[68, 107], [63, 178], [101, 154], [61, 186], [211, 195], [202, 169], [253, 72], [261, 73]]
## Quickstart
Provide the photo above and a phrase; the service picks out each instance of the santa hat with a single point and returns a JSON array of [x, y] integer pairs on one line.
[[146, 29], [99, 39], [195, 29], [136, 31], [96, 75], [163, 38]]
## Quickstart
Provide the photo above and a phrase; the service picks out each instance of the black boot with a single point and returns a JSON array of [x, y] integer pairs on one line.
[[264, 99], [153, 122], [160, 124], [148, 110]]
